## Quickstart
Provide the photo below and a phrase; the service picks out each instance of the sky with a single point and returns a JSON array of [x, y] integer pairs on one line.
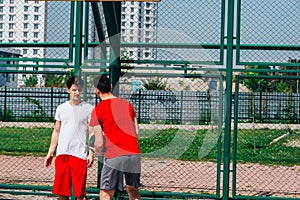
[[199, 21]]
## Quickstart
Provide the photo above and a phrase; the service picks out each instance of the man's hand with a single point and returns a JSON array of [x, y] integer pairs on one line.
[[90, 160], [48, 160]]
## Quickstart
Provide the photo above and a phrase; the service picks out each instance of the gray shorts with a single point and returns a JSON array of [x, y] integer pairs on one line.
[[114, 169]]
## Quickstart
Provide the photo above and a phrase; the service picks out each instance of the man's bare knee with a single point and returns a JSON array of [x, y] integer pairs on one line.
[[106, 194]]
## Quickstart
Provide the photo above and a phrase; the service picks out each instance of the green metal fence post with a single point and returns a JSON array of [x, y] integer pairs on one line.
[[78, 38], [229, 64], [112, 12]]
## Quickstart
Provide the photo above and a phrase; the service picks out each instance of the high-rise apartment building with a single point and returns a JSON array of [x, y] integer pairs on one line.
[[139, 24], [23, 21]]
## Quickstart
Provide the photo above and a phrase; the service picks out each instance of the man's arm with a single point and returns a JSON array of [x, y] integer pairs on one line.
[[136, 126], [53, 144], [98, 143], [90, 159]]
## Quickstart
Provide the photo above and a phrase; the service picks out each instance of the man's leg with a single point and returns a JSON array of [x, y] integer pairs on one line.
[[133, 193], [106, 194]]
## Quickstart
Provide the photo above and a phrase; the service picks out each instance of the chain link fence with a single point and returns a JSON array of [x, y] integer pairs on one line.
[[173, 71], [269, 138]]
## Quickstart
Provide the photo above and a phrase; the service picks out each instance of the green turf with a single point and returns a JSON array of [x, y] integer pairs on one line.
[[198, 145]]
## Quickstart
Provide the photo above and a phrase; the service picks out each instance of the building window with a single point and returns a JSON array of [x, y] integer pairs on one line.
[[25, 41], [25, 25], [25, 17], [11, 26], [36, 9], [25, 1], [11, 17], [11, 9], [25, 34], [10, 34], [26, 8], [35, 51], [1, 25], [36, 17], [36, 26], [24, 51], [1, 1], [11, 1], [36, 34], [1, 9], [1, 34], [1, 17]]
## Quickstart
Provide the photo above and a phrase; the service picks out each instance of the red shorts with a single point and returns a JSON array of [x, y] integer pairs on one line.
[[70, 170]]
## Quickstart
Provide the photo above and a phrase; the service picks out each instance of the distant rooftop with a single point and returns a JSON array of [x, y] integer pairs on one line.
[[8, 52]]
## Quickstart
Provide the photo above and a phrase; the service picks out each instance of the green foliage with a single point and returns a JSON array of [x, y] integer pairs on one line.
[[292, 85], [55, 80], [39, 114], [155, 83], [6, 115], [282, 86], [271, 85], [256, 85], [31, 81]]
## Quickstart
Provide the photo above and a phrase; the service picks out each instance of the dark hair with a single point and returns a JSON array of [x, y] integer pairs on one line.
[[74, 80], [102, 83]]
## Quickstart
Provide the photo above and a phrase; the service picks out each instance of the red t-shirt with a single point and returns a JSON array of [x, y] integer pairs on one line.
[[116, 116]]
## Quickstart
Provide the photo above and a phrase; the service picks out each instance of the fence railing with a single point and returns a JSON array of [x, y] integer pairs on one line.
[[160, 107]]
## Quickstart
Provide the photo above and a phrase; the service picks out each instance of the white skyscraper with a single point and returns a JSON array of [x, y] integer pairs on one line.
[[139, 24], [23, 21]]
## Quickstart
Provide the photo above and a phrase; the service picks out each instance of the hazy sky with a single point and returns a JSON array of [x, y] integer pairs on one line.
[[199, 21]]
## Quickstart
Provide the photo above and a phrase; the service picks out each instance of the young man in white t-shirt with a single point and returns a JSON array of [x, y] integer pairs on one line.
[[69, 140]]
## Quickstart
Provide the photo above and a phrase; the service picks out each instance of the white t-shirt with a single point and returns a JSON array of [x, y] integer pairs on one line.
[[74, 128]]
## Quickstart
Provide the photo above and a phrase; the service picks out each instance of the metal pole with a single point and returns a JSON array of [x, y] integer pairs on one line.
[[78, 38], [229, 64]]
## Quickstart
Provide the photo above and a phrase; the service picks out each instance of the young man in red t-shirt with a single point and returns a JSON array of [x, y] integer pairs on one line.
[[115, 118]]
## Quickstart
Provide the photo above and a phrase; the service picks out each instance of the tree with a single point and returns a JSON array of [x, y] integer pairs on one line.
[[291, 84], [31, 81], [155, 84], [55, 80], [256, 85]]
